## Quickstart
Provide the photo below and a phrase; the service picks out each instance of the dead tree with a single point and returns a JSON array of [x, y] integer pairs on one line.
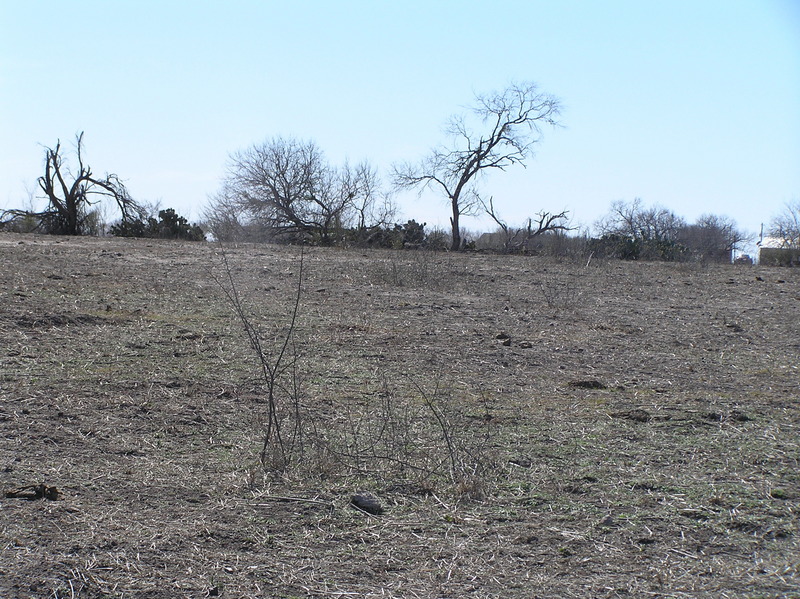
[[512, 122], [70, 195], [519, 239]]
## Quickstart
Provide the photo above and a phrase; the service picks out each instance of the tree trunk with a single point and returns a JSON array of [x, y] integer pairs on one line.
[[455, 246]]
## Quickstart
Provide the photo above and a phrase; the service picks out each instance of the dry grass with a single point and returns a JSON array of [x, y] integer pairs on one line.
[[125, 381]]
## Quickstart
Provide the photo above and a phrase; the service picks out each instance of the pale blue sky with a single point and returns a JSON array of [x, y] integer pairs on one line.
[[693, 105]]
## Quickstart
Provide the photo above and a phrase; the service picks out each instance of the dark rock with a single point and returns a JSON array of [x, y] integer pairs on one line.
[[367, 503]]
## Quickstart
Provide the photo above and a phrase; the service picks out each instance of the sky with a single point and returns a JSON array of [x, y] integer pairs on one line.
[[691, 105]]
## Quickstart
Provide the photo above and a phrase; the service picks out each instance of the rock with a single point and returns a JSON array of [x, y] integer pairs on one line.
[[367, 503], [608, 522]]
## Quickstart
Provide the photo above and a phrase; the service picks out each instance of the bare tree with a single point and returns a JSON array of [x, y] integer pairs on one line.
[[511, 122], [70, 195], [655, 232], [633, 220], [632, 231], [224, 218], [370, 206], [287, 188], [713, 238], [786, 225], [276, 184], [516, 239]]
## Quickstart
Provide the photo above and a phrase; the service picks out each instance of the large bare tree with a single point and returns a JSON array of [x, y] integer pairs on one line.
[[277, 183], [510, 123], [713, 238], [286, 187], [72, 194]]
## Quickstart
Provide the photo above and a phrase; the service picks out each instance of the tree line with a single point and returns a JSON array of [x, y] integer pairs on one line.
[[284, 190], [633, 231]]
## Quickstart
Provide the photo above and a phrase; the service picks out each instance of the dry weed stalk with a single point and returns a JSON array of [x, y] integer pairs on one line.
[[467, 456], [277, 449]]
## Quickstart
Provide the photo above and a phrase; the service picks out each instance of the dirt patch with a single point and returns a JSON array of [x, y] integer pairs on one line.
[[640, 421]]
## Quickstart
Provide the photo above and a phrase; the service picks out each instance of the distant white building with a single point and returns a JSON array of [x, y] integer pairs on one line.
[[770, 242], [772, 251]]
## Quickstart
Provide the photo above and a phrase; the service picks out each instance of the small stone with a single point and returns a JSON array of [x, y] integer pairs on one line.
[[608, 522], [639, 416], [646, 540], [367, 503]]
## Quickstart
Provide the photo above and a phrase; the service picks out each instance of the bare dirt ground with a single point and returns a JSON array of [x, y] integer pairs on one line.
[[532, 428]]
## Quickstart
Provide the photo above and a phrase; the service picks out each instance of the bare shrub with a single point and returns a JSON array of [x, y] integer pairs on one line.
[[416, 437], [560, 295], [411, 435], [408, 269]]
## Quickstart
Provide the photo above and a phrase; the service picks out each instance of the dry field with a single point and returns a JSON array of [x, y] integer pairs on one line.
[[531, 428]]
